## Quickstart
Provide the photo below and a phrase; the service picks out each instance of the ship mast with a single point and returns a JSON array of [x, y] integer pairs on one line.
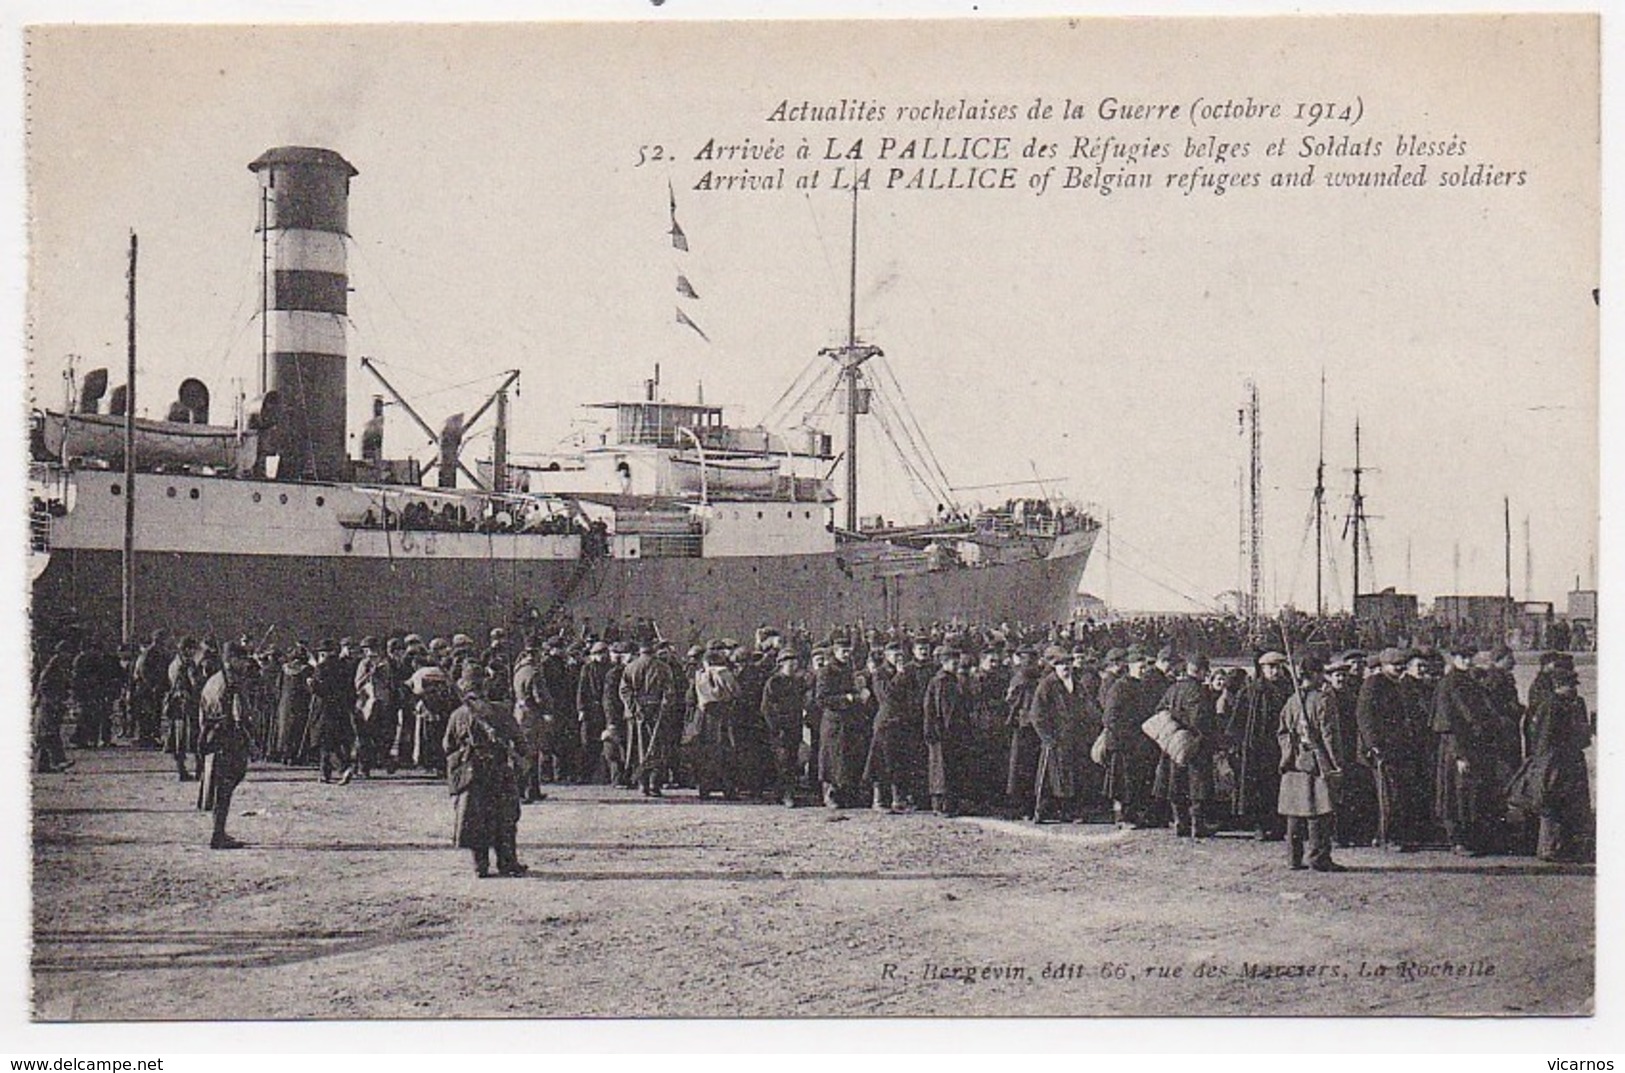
[[127, 579], [851, 358], [1357, 517], [1255, 515], [1320, 505]]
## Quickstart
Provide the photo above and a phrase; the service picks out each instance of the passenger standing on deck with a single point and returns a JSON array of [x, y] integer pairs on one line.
[[479, 744], [1256, 751], [1310, 766]]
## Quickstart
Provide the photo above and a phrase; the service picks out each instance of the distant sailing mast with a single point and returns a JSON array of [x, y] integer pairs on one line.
[[1320, 506], [127, 561], [851, 358], [1358, 522]]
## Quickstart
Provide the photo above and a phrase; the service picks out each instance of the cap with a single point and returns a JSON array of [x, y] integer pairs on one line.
[[462, 640], [787, 656], [1056, 654], [1166, 652], [369, 641], [1115, 655], [1134, 654], [1271, 657], [1392, 657]]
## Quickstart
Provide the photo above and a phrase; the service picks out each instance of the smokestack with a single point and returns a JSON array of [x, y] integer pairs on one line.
[[306, 216], [451, 444], [92, 390]]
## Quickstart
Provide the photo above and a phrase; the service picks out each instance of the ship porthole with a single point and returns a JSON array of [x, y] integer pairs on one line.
[[193, 493], [758, 515], [283, 498], [170, 492], [320, 501], [117, 489], [789, 514], [258, 497]]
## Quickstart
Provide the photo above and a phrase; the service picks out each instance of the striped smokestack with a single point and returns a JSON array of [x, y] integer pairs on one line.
[[306, 219]]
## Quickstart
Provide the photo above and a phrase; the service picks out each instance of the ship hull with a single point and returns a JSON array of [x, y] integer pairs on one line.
[[688, 599]]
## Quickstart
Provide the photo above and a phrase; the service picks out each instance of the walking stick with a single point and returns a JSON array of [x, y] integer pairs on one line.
[[1044, 751], [1383, 803]]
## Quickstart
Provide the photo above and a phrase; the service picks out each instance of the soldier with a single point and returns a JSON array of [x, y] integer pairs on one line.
[[784, 709], [563, 739], [753, 761], [533, 708], [1255, 749], [479, 744], [186, 680], [1310, 766], [838, 698], [649, 690], [225, 742]]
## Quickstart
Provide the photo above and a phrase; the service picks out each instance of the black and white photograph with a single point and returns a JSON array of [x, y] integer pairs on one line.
[[977, 517]]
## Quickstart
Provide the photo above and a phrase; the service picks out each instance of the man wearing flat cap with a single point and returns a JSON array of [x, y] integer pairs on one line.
[[784, 710], [946, 729], [1388, 748], [1060, 714], [1465, 790], [840, 698], [1131, 757], [1357, 795], [591, 719], [1255, 748]]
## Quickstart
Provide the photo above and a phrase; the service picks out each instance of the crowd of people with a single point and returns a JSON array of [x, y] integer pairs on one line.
[[1403, 748]]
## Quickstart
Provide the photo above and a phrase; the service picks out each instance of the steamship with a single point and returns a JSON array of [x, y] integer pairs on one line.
[[675, 521]]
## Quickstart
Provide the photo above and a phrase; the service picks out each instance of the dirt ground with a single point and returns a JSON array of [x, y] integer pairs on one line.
[[349, 903]]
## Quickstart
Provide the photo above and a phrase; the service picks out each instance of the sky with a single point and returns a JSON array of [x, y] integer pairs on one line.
[[501, 220]]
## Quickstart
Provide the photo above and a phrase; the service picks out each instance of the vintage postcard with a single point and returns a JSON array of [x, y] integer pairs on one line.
[[1058, 516]]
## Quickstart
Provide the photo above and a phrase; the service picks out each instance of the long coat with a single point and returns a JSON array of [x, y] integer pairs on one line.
[[1559, 733], [898, 714], [1061, 718], [292, 711], [708, 737], [946, 728], [1311, 753], [839, 702], [1255, 748], [1022, 766], [1466, 730], [486, 733], [1131, 757], [1193, 706]]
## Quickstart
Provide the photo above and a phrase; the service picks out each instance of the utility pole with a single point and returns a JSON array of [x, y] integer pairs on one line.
[[127, 593], [1255, 514]]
